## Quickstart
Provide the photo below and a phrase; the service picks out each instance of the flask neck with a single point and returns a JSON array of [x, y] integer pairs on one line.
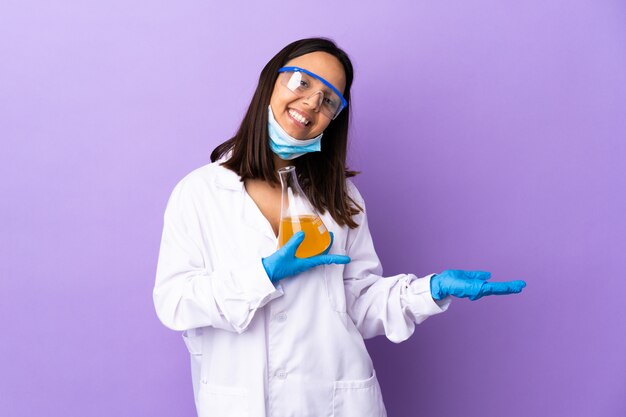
[[294, 202], [289, 179]]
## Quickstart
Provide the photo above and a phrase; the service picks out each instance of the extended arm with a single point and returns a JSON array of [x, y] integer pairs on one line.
[[383, 305]]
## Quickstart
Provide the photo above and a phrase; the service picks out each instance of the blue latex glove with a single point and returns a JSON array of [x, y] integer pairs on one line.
[[470, 284], [283, 263]]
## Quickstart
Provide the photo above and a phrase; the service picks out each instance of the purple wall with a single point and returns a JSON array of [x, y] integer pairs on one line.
[[490, 134]]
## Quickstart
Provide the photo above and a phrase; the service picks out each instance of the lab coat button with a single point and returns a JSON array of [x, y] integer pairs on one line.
[[204, 381], [281, 317], [281, 374]]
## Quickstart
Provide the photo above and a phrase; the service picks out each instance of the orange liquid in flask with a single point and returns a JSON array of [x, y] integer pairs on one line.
[[316, 236]]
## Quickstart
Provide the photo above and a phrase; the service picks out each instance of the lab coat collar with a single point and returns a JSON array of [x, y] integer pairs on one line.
[[228, 179], [250, 213]]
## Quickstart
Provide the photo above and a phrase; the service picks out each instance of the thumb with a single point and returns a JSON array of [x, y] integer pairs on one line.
[[332, 238], [294, 242]]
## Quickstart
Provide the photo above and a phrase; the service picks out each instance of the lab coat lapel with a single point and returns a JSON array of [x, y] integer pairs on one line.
[[248, 210]]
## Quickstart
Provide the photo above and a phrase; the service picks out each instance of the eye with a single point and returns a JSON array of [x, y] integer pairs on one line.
[[305, 82], [329, 102]]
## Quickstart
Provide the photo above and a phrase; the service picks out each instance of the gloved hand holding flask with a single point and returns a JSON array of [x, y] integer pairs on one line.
[[284, 263], [303, 240], [470, 284]]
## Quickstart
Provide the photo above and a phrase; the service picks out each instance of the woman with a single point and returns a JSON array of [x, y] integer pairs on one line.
[[270, 334]]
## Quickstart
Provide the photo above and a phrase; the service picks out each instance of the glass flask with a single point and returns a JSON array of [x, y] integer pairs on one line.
[[297, 213]]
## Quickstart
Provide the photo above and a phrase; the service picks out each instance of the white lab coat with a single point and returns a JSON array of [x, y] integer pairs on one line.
[[291, 349]]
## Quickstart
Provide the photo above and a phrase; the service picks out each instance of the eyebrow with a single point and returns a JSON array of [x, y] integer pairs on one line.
[[323, 86]]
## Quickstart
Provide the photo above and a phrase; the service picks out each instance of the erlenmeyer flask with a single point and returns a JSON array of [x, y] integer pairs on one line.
[[297, 213]]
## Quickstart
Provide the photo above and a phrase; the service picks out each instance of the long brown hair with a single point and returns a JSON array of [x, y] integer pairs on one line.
[[323, 174]]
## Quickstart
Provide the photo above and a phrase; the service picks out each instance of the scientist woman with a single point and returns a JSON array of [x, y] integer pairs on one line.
[[269, 334]]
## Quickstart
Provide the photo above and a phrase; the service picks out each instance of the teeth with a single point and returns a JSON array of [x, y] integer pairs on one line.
[[299, 118]]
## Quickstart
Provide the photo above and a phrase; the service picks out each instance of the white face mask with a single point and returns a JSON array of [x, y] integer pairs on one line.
[[285, 146]]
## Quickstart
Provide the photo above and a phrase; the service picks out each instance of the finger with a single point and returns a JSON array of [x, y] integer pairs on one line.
[[294, 242], [330, 259], [518, 283], [502, 288], [482, 275], [332, 238]]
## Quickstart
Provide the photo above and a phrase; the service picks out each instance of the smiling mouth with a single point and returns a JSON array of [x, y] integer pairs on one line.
[[299, 118]]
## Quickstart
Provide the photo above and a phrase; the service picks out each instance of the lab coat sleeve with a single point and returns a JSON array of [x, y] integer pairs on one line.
[[188, 292], [383, 305]]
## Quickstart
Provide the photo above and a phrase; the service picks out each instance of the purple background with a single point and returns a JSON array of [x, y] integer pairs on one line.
[[491, 135]]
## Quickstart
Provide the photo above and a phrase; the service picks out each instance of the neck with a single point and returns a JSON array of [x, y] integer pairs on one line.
[[280, 163]]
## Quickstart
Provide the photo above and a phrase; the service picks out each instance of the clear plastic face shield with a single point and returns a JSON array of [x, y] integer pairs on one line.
[[306, 84]]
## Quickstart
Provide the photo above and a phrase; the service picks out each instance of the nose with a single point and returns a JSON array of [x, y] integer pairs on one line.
[[314, 100]]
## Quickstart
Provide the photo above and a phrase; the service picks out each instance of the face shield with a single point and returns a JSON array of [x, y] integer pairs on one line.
[[311, 86]]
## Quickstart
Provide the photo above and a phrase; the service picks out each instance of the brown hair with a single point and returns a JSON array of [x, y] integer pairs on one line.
[[323, 174]]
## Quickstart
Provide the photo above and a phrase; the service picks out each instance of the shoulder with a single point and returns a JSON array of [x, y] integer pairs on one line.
[[209, 175], [207, 179]]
